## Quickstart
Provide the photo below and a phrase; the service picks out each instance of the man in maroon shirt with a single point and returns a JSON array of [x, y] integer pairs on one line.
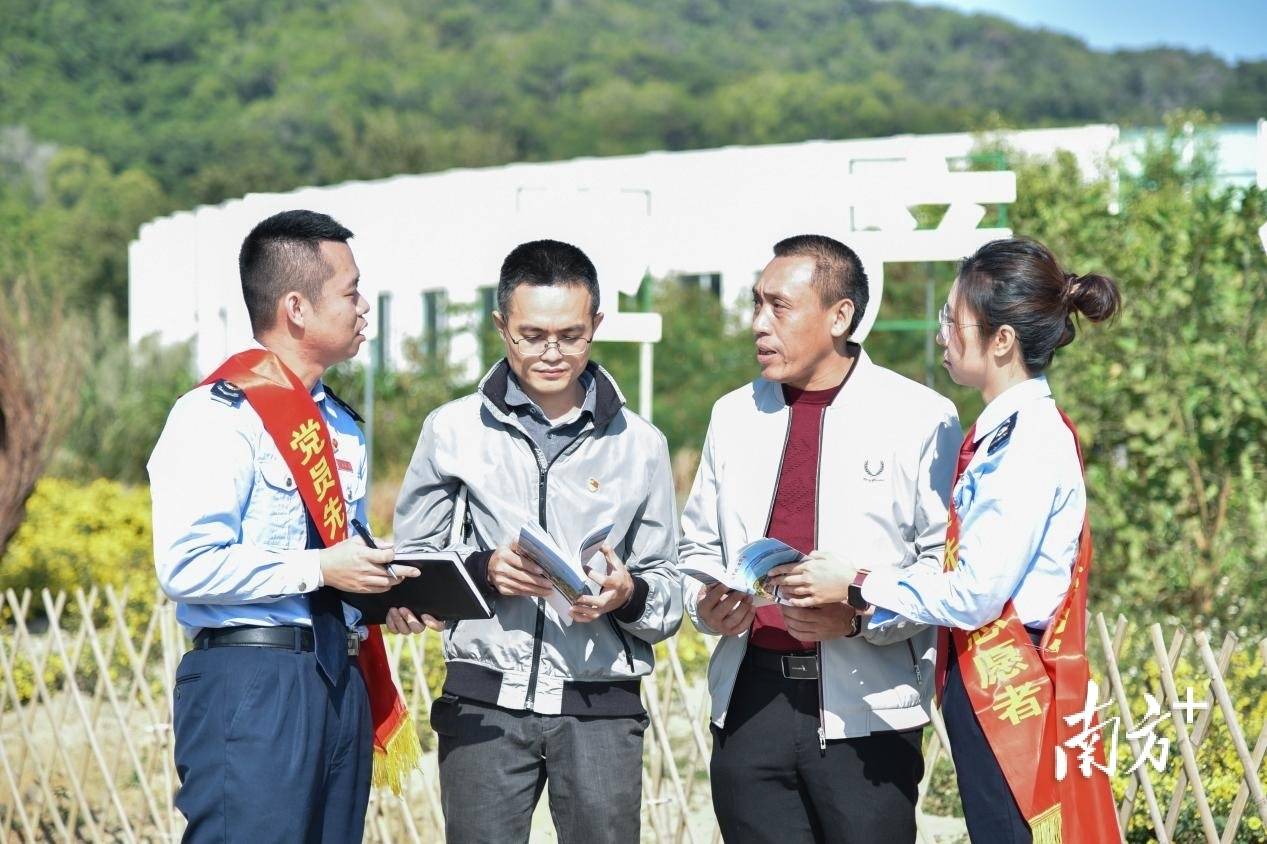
[[817, 717], [794, 514]]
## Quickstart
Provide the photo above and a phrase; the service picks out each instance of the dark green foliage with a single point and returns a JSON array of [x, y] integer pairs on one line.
[[217, 99], [125, 110]]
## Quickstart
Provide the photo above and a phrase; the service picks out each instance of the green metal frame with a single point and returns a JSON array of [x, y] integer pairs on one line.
[[905, 325]]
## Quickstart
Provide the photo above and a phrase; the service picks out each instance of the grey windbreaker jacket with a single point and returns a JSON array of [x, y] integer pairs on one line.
[[617, 470]]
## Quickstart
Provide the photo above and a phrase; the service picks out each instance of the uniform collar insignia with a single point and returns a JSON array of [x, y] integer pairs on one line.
[[1002, 434]]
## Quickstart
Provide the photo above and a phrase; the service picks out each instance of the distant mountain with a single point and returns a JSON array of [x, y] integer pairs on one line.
[[214, 98]]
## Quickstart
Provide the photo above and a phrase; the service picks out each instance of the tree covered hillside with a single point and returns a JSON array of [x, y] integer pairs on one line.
[[215, 99]]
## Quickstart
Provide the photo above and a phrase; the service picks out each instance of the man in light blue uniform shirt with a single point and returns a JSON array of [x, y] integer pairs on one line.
[[273, 737], [233, 532]]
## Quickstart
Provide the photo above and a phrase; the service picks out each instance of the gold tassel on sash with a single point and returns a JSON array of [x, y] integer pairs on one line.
[[1045, 827], [393, 764]]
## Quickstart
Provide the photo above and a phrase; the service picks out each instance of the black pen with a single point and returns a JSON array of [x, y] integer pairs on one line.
[[369, 540]]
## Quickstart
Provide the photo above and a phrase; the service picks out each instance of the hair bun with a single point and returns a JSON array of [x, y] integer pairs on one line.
[[1094, 296]]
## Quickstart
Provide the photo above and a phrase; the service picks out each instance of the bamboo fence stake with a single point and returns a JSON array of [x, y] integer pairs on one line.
[[1260, 749], [1233, 725], [1185, 743]]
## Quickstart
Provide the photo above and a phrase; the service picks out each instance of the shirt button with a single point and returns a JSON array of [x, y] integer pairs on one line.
[[290, 482], [303, 586]]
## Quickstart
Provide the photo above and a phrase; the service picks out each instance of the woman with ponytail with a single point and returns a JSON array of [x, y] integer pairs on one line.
[[1011, 597]]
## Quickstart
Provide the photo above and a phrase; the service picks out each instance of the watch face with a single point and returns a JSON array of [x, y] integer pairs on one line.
[[855, 598]]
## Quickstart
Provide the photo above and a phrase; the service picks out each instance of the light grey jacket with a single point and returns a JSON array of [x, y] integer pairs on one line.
[[616, 471], [887, 458]]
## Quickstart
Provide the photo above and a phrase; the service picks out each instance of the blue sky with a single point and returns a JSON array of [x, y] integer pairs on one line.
[[1233, 29]]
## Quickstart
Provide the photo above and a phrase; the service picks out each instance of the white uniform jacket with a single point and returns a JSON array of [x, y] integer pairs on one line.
[[889, 447], [1021, 503]]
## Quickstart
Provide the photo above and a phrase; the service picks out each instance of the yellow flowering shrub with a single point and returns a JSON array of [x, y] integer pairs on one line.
[[79, 536], [1217, 760]]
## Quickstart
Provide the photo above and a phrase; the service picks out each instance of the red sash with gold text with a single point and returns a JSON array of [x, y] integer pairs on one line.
[[292, 419], [1017, 693]]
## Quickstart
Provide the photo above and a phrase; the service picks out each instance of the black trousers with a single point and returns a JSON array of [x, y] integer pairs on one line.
[[989, 808], [772, 783], [267, 750]]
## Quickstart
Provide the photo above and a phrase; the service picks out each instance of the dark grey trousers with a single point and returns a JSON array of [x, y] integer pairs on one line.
[[494, 764]]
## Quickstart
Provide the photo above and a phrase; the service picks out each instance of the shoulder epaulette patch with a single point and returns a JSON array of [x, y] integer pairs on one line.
[[341, 403], [226, 392], [1002, 434]]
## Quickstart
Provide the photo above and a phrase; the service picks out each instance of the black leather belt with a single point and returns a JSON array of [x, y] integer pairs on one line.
[[800, 665], [290, 638]]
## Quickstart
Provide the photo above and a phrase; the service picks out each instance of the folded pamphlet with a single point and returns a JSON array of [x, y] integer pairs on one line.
[[747, 574], [568, 574]]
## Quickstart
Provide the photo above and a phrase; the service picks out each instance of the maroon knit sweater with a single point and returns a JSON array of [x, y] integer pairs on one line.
[[792, 518]]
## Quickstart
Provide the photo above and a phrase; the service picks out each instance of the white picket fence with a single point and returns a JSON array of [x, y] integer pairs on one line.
[[86, 747]]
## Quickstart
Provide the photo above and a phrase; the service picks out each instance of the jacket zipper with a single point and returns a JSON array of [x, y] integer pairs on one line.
[[466, 533], [818, 477], [543, 470], [822, 733], [539, 632], [769, 516], [787, 434], [919, 679], [624, 643]]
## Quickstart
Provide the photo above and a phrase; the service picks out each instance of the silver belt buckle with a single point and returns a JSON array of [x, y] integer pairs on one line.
[[354, 643], [797, 667]]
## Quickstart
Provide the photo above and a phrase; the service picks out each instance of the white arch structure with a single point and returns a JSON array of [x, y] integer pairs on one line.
[[715, 212]]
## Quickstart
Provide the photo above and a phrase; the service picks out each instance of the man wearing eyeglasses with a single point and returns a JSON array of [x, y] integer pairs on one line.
[[530, 698]]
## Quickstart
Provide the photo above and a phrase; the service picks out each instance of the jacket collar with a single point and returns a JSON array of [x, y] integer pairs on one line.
[[608, 400], [1008, 402], [769, 394], [520, 401]]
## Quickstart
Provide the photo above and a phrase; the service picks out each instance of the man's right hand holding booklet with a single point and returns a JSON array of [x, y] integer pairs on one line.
[[512, 574], [725, 610]]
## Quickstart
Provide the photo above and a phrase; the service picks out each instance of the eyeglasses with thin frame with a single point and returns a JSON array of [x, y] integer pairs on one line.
[[569, 346], [945, 322]]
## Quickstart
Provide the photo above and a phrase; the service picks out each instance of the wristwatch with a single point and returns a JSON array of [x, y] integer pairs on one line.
[[855, 598]]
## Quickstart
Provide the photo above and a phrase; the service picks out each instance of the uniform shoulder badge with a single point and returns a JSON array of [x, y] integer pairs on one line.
[[341, 403], [1002, 434], [226, 392]]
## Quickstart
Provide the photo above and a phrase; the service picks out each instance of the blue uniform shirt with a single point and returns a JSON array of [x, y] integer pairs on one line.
[[1021, 504], [229, 525]]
